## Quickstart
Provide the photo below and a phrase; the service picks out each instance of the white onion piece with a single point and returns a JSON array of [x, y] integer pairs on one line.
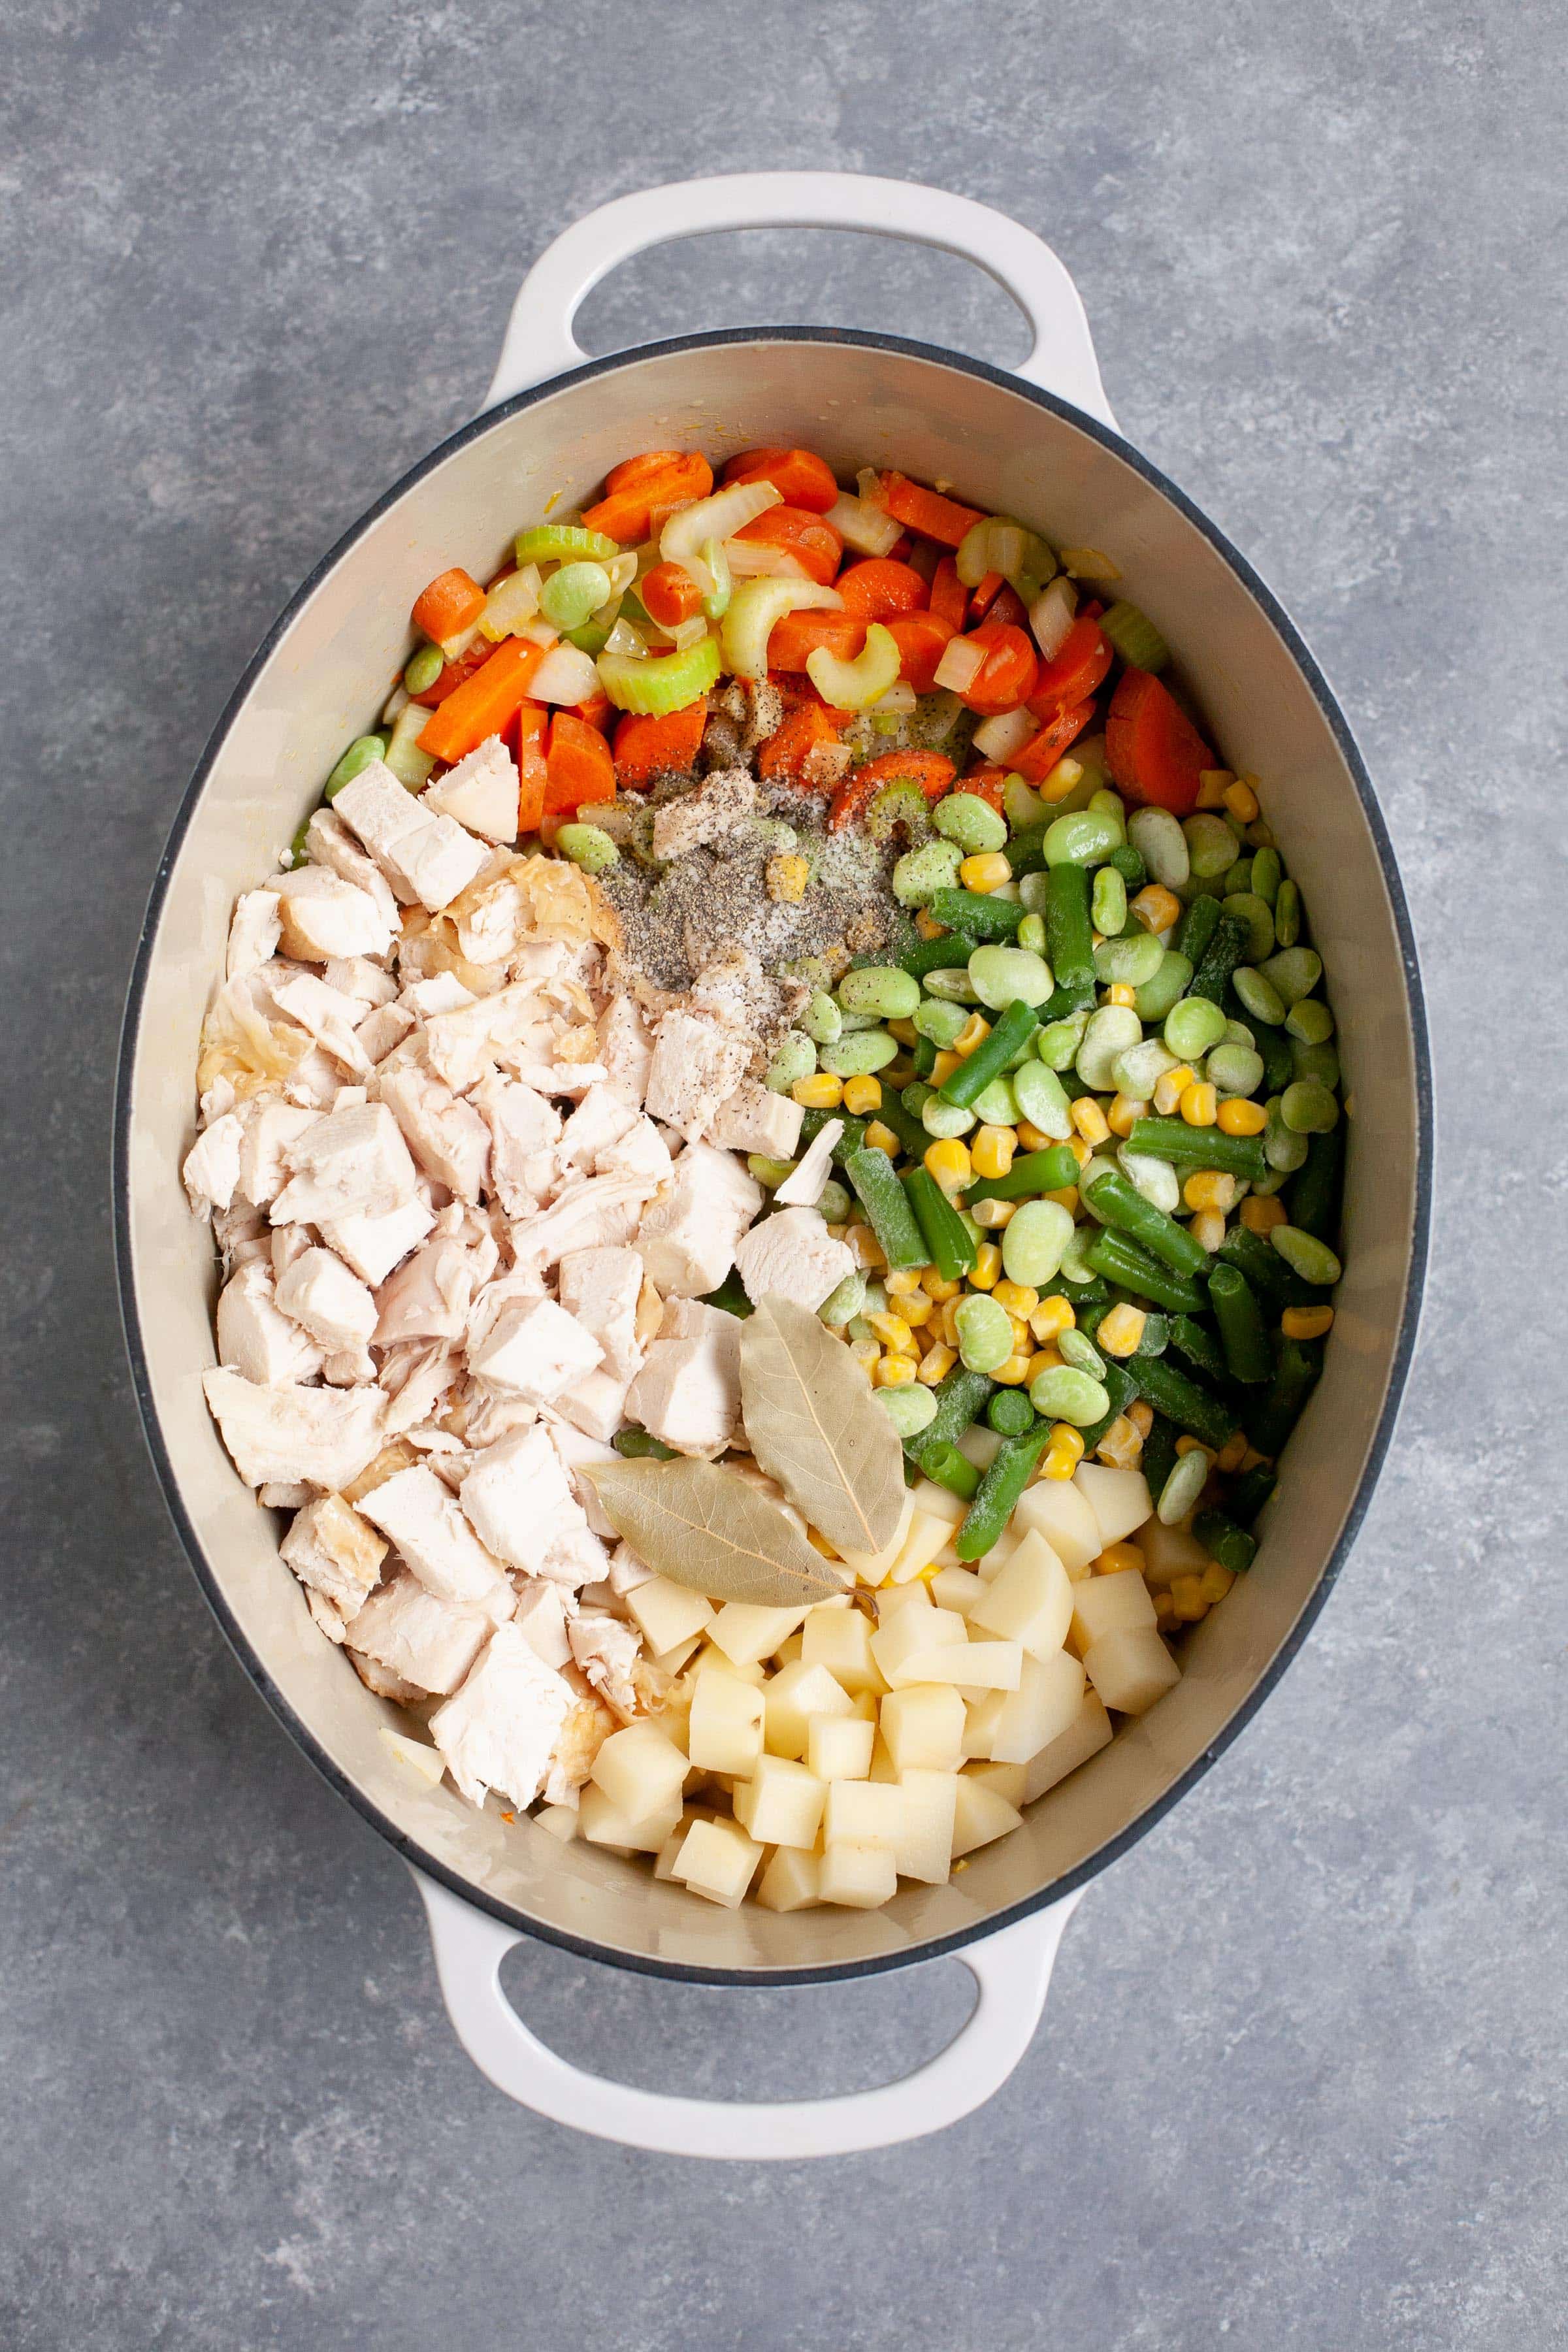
[[720, 517], [1007, 733], [868, 485], [427, 1763], [897, 703], [868, 529], [510, 603], [749, 561], [454, 648], [687, 633], [537, 633], [622, 570], [566, 675], [1051, 616], [399, 699], [962, 663], [624, 639]]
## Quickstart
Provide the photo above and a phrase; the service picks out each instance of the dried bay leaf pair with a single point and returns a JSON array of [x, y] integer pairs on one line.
[[707, 1527]]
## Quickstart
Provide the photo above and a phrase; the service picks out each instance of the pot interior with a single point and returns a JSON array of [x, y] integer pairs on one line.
[[321, 680]]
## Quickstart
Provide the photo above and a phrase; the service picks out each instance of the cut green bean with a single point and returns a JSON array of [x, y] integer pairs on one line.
[[852, 1139], [1220, 959], [960, 1397], [1031, 1175], [1183, 1402], [1269, 1275], [1120, 1205], [1121, 1262], [976, 916], [1305, 1255], [1198, 1147], [943, 1464], [1197, 928], [1276, 1413], [1069, 937], [882, 1196], [640, 1445], [1225, 1541], [1010, 1413], [1199, 1344], [1314, 1196], [1121, 1391], [906, 1124], [1250, 1491], [923, 957], [1247, 1354], [947, 1240], [1014, 1027], [1159, 1456], [999, 1490]]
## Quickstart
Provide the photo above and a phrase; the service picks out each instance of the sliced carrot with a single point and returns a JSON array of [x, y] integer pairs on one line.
[[578, 763], [650, 465], [1009, 606], [879, 589], [815, 544], [793, 688], [1041, 752], [1074, 670], [983, 594], [986, 785], [1153, 751], [482, 704], [949, 597], [921, 639], [788, 752], [669, 596], [666, 746], [800, 479], [931, 770], [452, 602], [662, 478], [1007, 677], [799, 634], [597, 711], [926, 511], [454, 673], [533, 773]]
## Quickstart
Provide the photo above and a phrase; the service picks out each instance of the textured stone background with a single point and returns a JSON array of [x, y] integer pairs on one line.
[[1296, 2085]]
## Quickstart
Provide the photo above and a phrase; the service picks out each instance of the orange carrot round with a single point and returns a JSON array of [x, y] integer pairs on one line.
[[578, 764], [1153, 751], [799, 634], [647, 748], [815, 544], [1007, 677], [788, 751], [669, 596], [926, 511], [452, 602], [921, 639], [801, 479], [660, 479], [986, 785], [949, 597], [1041, 752], [1074, 670], [484, 703], [532, 721], [932, 771], [879, 589]]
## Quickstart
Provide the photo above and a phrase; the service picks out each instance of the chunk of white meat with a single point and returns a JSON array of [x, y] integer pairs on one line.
[[336, 1552], [253, 934], [804, 1187], [792, 1255], [481, 792], [541, 1619], [448, 1137], [596, 1404], [356, 976], [601, 1288], [579, 1455], [322, 915], [326, 1014], [384, 1030], [533, 1350], [518, 1498], [464, 1043], [606, 1649], [374, 1244], [754, 1119], [255, 1339], [625, 1048], [416, 1378], [499, 1730], [283, 1496], [330, 843], [321, 1436], [602, 1117], [688, 1232], [334, 1306], [687, 1394], [432, 1294], [696, 1065], [314, 1081], [641, 1151], [211, 1169], [381, 1680], [425, 1642], [349, 1162], [600, 1212], [419, 1513], [271, 1127], [524, 1128], [442, 993], [426, 859], [627, 1571]]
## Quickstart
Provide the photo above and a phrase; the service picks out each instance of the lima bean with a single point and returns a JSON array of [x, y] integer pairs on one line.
[[1033, 1242], [880, 989], [1159, 840], [1172, 978], [1110, 1033], [972, 823], [1002, 974], [858, 1055]]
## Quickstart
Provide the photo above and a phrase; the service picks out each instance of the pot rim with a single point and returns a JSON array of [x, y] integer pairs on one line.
[[1054, 1891]]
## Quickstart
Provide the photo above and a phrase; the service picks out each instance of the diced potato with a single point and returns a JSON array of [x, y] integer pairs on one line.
[[791, 1881], [1055, 1508], [841, 1640], [792, 1697], [923, 1727], [781, 1804], [871, 1567], [883, 1769], [671, 1662], [1130, 1668], [838, 1747], [1109, 1605], [980, 1814], [863, 1812], [924, 1846], [1089, 1731], [788, 1652], [602, 1823], [1039, 1710], [717, 1859], [710, 1660], [938, 1503], [894, 1597], [1118, 1498], [1007, 1779], [640, 1771], [926, 1537], [913, 1629], [981, 1717], [859, 1874], [665, 1860], [559, 1822], [956, 1588], [1170, 1552], [725, 1732], [747, 1632], [667, 1614], [972, 1665], [1028, 1602]]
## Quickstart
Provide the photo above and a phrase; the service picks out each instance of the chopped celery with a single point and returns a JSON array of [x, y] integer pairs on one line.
[[651, 688], [563, 542], [754, 607], [857, 684]]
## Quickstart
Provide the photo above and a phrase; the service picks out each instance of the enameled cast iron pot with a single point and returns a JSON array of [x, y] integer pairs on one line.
[[1040, 444]]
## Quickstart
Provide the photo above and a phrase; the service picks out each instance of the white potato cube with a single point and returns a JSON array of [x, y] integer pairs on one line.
[[725, 1734], [669, 1662], [913, 1629], [858, 1875], [710, 1660], [980, 1814], [788, 1652], [559, 1822], [871, 1567], [863, 1812], [666, 1612], [781, 1803], [1109, 1604], [1030, 1601], [791, 1881], [883, 1769], [981, 1717], [1007, 1779], [795, 1695], [1130, 1668], [745, 1631], [1118, 1498], [717, 1860], [1039, 1710], [665, 1860], [1170, 1552], [1055, 1508], [956, 1588], [893, 1598], [936, 1502], [971, 1666], [923, 1728], [602, 1823], [838, 1747], [925, 1847], [1089, 1731], [640, 1771], [926, 1537]]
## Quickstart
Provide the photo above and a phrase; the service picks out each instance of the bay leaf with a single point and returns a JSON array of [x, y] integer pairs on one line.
[[814, 1426], [707, 1527]]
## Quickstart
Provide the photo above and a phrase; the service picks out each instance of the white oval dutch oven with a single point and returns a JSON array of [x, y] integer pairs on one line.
[[1041, 443]]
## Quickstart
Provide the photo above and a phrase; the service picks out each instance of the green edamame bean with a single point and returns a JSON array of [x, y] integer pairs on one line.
[[951, 982], [833, 1203], [1288, 915], [1173, 976], [1293, 973], [972, 823], [1105, 802], [1259, 997], [985, 1332], [1266, 875], [1180, 1490], [1319, 1061], [944, 1119], [858, 1055], [424, 668], [880, 989], [821, 1019], [795, 1059], [1066, 1394], [1042, 1099], [1234, 1069], [919, 873], [1310, 1021], [1192, 1027], [1077, 1351], [1159, 840], [997, 1105], [360, 753], [1075, 1265], [1108, 903], [943, 1022], [1033, 1241], [1236, 1032], [1211, 845], [1309, 1109], [1110, 1033], [1130, 961], [1086, 837], [1002, 974], [1058, 1043], [587, 846], [1239, 879], [909, 1409], [1032, 932], [1246, 907], [1305, 1255], [1284, 1150]]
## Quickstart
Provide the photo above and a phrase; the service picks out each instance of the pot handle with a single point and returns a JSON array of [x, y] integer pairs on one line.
[[1010, 1969], [539, 339]]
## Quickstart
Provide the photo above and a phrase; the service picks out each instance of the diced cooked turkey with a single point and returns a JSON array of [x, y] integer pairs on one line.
[[792, 1255], [447, 1135], [606, 1649], [499, 1729], [600, 1212], [424, 1640], [642, 1152], [533, 1350], [696, 1065], [519, 1499], [754, 1119], [212, 1165], [579, 1454], [322, 914], [374, 1244], [272, 1127], [335, 1551], [627, 1571], [524, 1128], [687, 1394], [689, 1231], [601, 1119], [369, 983], [384, 1029], [596, 1404], [323, 1436], [422, 1517], [349, 1162], [481, 791], [541, 1619], [253, 933], [334, 1306], [442, 993], [330, 843], [625, 1048], [601, 1288], [417, 1378], [427, 859], [327, 1016], [431, 1294], [255, 1339], [464, 1043]]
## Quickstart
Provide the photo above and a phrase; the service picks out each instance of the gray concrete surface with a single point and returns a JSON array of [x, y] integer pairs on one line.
[[1299, 2081]]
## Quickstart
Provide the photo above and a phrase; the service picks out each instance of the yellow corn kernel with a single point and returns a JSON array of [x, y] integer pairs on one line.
[[1232, 1453], [1066, 1439], [1213, 785], [938, 1288], [1066, 1197], [1169, 1089], [1141, 1416], [821, 1091], [1016, 1298], [1156, 908], [1120, 1448], [1046, 1360], [1125, 1114], [895, 1372], [1080, 1150], [936, 1364], [975, 1032], [787, 876], [1020, 1329], [902, 1282], [1262, 1211], [1307, 1322], [861, 1095], [837, 1233], [866, 1354], [896, 1074], [1118, 992], [1033, 1138], [1059, 1462], [927, 926], [1061, 780], [1241, 801], [1207, 1229], [1199, 1104], [1209, 1187], [1239, 1117], [1215, 1582], [904, 1031], [1015, 1371], [1089, 1121], [1165, 1611], [1194, 1445], [948, 1161], [893, 1331], [1117, 1557], [882, 1139], [1051, 1316], [1120, 1330], [1187, 1600], [948, 1321], [943, 1066], [1251, 1458], [986, 1271], [994, 1214], [864, 1246], [991, 1149], [916, 1309], [987, 871]]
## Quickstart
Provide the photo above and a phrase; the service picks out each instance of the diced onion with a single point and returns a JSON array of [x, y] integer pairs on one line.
[[857, 684], [748, 561], [537, 633], [1051, 616], [754, 607], [565, 674], [623, 571], [1000, 737], [868, 485], [720, 516], [688, 633], [898, 701], [628, 642], [962, 663], [427, 1763], [395, 701], [455, 647], [868, 529], [511, 602]]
